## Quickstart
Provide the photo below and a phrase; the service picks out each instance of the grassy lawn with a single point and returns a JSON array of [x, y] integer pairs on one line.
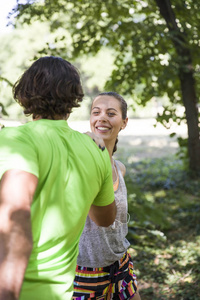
[[164, 231]]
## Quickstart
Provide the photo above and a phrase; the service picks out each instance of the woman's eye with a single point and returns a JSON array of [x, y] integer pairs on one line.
[[95, 112]]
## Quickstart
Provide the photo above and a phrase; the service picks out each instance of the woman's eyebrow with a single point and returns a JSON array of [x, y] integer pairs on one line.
[[96, 107], [112, 109]]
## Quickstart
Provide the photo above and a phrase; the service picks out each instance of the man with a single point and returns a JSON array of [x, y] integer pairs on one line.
[[51, 177]]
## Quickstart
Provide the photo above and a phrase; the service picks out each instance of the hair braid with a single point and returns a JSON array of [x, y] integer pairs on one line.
[[115, 146]]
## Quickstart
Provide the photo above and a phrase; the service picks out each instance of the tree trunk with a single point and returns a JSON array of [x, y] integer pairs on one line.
[[187, 81]]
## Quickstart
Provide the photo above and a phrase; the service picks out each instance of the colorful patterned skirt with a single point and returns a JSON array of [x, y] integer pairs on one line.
[[113, 282]]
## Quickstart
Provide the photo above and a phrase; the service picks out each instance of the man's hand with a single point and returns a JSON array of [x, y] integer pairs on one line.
[[16, 193], [98, 140]]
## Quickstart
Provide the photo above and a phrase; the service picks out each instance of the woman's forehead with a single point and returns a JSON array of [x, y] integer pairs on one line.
[[106, 101]]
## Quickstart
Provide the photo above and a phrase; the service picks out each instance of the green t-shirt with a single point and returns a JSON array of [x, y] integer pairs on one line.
[[73, 173]]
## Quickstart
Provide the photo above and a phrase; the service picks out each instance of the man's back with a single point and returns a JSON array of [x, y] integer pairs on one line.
[[71, 172]]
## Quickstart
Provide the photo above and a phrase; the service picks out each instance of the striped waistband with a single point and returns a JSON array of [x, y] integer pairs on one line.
[[119, 264]]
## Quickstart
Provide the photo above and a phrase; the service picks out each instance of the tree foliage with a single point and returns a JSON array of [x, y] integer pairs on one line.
[[156, 49], [18, 49]]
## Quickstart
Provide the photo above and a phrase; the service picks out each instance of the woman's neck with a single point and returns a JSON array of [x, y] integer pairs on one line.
[[109, 147]]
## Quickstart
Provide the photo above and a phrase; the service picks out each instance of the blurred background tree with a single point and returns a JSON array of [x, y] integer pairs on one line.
[[149, 48]]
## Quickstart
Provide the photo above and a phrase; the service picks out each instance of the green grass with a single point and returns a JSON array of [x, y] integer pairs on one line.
[[164, 231]]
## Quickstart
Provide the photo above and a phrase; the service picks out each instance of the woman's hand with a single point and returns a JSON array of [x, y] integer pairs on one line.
[[98, 140]]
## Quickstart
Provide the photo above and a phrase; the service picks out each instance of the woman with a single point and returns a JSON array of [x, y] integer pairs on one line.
[[104, 268]]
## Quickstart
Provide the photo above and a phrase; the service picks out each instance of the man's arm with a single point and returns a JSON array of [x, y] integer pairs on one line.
[[16, 193], [103, 215]]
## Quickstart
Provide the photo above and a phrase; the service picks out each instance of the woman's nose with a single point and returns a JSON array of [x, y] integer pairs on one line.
[[102, 117]]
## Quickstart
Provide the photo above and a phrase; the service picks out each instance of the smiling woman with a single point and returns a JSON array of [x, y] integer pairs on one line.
[[107, 118], [105, 268]]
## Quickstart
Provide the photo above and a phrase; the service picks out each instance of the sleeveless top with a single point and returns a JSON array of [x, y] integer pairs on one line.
[[102, 246]]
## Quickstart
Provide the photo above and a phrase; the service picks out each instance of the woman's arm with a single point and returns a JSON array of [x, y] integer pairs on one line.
[[122, 168], [98, 140]]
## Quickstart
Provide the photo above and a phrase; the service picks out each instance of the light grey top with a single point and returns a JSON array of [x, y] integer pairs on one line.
[[102, 246]]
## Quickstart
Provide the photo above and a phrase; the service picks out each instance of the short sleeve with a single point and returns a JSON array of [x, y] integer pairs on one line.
[[106, 194], [17, 151]]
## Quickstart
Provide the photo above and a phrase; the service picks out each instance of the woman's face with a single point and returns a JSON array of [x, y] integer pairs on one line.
[[106, 117]]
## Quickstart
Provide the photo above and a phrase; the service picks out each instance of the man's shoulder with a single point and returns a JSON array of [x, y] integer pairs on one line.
[[94, 152], [6, 131]]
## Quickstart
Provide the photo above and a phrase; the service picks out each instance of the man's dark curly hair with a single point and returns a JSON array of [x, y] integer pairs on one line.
[[50, 88]]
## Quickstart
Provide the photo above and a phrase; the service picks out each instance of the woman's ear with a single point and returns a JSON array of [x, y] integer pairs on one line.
[[125, 122]]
